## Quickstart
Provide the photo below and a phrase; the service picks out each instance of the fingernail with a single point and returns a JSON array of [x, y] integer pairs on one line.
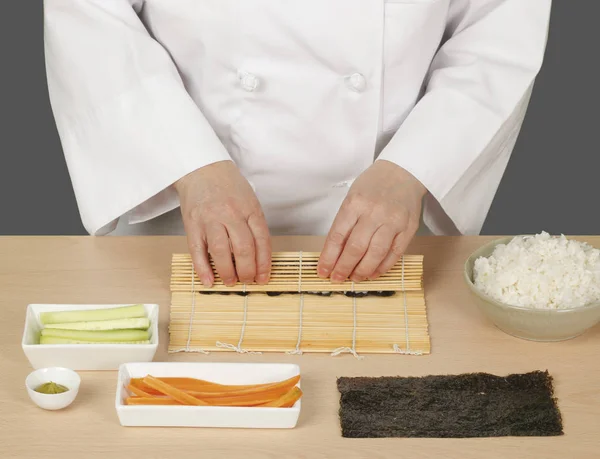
[[262, 279], [337, 278], [323, 273], [229, 282], [355, 279], [206, 281]]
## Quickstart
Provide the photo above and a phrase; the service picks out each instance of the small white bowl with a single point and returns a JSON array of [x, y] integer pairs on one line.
[[58, 375], [82, 357]]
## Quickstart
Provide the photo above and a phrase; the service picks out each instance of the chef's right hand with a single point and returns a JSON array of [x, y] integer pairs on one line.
[[222, 216]]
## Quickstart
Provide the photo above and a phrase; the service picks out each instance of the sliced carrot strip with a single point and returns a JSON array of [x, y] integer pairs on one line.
[[272, 399], [176, 391], [136, 391], [216, 390], [188, 383], [200, 384], [173, 392], [232, 402], [138, 383], [287, 400], [266, 395], [291, 403], [151, 401], [169, 401], [281, 388], [245, 400], [286, 384]]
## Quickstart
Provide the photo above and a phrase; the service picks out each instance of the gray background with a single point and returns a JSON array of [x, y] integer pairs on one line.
[[550, 183]]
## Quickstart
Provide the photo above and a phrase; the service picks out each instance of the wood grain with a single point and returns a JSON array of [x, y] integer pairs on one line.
[[257, 322], [297, 271], [129, 270]]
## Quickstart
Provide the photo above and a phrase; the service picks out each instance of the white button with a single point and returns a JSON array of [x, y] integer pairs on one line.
[[356, 82], [248, 81]]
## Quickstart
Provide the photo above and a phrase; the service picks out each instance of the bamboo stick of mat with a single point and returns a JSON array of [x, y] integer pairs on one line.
[[246, 319]]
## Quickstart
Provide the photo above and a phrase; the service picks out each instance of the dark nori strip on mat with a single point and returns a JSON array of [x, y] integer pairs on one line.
[[356, 294], [384, 294], [348, 294], [449, 406]]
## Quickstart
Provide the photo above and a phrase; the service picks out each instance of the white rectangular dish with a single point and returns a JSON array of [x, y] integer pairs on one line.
[[207, 416], [84, 356]]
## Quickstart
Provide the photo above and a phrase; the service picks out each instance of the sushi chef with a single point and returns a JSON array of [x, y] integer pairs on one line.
[[231, 121]]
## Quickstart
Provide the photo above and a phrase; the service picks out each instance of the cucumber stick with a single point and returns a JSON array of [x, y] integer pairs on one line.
[[98, 336], [53, 340], [89, 315], [141, 323]]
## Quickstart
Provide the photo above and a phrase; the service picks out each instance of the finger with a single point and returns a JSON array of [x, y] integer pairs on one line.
[[242, 243], [399, 246], [380, 246], [340, 230], [355, 249], [199, 254], [220, 250], [262, 242]]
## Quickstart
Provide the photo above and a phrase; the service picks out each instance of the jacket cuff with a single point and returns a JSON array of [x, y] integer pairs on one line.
[[124, 157], [449, 143]]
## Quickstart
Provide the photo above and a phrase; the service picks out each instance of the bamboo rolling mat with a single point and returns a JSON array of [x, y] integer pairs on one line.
[[299, 312]]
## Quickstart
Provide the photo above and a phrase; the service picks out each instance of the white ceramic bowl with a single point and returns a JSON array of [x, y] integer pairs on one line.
[[207, 416], [84, 356], [528, 323], [64, 376]]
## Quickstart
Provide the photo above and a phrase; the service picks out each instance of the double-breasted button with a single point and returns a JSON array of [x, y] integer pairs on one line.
[[356, 82], [248, 81]]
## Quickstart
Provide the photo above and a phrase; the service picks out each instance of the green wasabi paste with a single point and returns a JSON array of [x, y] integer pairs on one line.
[[51, 388]]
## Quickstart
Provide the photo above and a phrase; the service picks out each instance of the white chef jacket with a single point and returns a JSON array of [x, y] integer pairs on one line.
[[302, 95]]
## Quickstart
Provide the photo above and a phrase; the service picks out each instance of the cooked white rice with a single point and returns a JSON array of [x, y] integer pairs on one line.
[[541, 271]]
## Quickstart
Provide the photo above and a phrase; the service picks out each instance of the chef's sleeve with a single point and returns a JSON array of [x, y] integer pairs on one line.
[[460, 135], [127, 125]]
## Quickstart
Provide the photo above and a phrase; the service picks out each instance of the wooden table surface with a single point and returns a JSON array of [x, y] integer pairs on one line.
[[136, 270]]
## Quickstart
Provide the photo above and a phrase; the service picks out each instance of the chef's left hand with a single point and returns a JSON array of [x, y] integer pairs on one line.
[[374, 225]]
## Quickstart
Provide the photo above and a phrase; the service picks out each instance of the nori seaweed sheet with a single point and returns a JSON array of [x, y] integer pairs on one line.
[[449, 406], [348, 294]]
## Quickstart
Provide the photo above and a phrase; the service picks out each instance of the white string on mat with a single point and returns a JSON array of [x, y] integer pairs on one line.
[[238, 348], [298, 351], [350, 350], [397, 348], [189, 338]]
